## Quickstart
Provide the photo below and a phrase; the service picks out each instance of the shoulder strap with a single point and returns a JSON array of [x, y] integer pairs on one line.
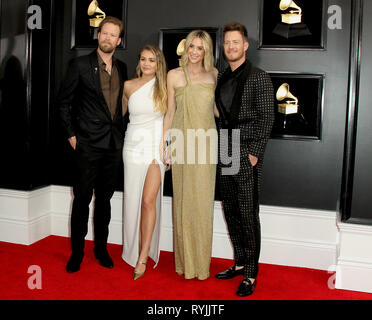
[[186, 75]]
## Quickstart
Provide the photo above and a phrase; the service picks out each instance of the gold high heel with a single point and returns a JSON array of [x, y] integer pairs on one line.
[[137, 274]]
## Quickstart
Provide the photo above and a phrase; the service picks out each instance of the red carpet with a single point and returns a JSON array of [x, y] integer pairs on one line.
[[95, 282]]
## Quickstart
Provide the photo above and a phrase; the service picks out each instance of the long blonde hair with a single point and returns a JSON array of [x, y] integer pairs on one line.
[[160, 86], [208, 61]]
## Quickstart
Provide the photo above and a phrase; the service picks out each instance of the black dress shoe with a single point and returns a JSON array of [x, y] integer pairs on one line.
[[104, 259], [230, 273], [246, 288], [73, 264]]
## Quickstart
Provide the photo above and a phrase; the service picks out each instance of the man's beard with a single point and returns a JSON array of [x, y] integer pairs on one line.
[[106, 49], [236, 58]]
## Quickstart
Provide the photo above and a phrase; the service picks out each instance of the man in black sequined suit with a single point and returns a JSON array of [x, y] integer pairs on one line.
[[245, 100]]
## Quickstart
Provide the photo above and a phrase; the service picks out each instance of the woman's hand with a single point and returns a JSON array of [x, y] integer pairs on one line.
[[165, 155]]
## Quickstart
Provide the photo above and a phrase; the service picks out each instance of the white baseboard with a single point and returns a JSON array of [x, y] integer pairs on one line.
[[25, 217], [290, 236], [294, 237], [354, 265], [298, 237]]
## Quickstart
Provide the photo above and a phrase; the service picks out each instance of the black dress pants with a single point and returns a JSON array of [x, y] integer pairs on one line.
[[96, 170], [239, 195]]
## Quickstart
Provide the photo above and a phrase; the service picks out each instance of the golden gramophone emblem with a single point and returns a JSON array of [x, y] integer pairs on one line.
[[290, 105], [291, 24], [294, 13], [99, 14]]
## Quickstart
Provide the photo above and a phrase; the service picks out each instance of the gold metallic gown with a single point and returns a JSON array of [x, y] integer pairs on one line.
[[193, 184]]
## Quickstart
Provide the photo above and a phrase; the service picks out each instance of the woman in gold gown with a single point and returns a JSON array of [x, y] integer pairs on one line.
[[193, 153]]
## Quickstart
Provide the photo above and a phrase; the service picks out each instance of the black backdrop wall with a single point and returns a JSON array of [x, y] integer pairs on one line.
[[26, 66], [297, 173]]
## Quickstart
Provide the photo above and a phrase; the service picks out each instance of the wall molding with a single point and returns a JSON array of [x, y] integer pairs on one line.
[[25, 217], [290, 236], [352, 108], [354, 263]]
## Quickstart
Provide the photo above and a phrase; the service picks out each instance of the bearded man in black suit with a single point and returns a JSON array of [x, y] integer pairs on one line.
[[90, 108], [245, 100]]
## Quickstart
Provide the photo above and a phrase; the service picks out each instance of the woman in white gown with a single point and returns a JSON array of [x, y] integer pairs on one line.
[[145, 98]]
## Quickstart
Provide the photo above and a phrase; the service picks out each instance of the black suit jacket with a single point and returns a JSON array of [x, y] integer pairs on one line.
[[252, 111], [82, 105]]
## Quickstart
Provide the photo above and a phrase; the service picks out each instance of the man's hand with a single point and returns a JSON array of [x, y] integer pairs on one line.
[[253, 160], [72, 141]]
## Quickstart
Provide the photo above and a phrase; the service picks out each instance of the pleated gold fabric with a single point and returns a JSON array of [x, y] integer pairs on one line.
[[194, 181]]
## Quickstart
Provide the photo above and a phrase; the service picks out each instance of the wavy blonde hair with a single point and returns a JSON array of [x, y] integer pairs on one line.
[[208, 61], [160, 86]]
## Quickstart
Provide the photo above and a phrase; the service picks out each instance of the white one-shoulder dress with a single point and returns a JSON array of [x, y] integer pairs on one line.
[[141, 147]]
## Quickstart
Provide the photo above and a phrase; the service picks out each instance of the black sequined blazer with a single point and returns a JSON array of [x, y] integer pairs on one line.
[[252, 111]]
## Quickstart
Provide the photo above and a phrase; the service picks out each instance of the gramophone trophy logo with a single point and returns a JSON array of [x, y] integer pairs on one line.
[[290, 117], [290, 106], [291, 24], [99, 15]]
